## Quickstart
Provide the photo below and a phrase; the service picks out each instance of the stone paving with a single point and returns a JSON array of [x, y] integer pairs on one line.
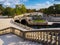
[[11, 39], [4, 23]]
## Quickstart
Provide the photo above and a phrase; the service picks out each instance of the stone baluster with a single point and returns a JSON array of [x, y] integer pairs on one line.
[[27, 35], [39, 36], [49, 38], [42, 36], [53, 39], [45, 37], [57, 40], [31, 35], [34, 35]]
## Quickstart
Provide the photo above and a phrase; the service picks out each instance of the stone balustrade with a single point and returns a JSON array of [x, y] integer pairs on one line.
[[46, 37], [23, 26]]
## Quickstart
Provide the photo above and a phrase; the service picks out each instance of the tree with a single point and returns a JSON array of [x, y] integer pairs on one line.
[[1, 9], [20, 9], [8, 12], [55, 9], [31, 10], [41, 10], [17, 11], [23, 9]]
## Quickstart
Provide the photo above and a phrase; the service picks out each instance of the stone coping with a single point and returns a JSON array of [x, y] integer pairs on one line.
[[45, 29]]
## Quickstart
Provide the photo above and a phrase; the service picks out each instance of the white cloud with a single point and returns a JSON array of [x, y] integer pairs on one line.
[[35, 6], [57, 2], [12, 2], [40, 5], [7, 3]]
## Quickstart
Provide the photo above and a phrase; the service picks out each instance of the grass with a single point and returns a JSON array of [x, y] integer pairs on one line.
[[39, 21]]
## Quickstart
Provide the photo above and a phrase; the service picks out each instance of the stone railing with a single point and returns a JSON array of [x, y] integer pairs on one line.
[[5, 31], [22, 26], [12, 30], [46, 37]]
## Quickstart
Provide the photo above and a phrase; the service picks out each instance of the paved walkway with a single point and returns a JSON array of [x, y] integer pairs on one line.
[[4, 23], [11, 39]]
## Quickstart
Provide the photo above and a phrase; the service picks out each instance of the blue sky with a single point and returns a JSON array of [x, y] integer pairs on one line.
[[30, 4]]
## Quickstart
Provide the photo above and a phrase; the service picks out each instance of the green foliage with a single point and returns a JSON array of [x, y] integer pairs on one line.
[[40, 21], [31, 10], [8, 11], [1, 9], [23, 9], [20, 9], [55, 9], [17, 11]]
